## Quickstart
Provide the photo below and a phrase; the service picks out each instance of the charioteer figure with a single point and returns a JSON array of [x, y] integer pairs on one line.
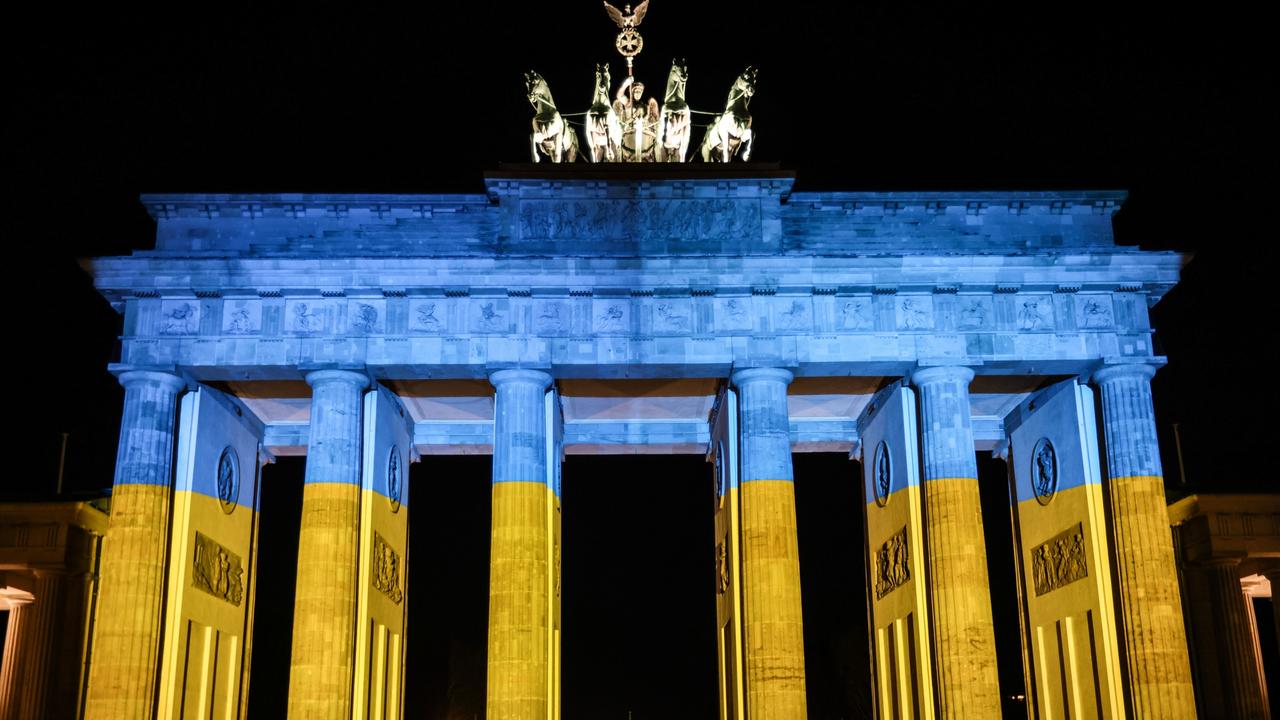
[[639, 120]]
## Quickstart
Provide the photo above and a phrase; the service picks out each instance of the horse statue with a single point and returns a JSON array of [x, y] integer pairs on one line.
[[674, 124], [730, 132], [551, 135], [603, 132]]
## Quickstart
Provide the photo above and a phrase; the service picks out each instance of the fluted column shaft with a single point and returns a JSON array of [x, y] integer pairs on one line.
[[122, 678], [11, 667], [519, 627], [1234, 637], [1154, 638], [770, 549], [964, 647], [322, 662], [36, 649]]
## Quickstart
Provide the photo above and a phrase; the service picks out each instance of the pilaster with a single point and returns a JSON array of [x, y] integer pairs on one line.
[[960, 596], [1152, 632], [770, 549]]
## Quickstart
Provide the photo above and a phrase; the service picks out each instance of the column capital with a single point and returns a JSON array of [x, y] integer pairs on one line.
[[1120, 371], [521, 375], [166, 380], [317, 377], [750, 375], [942, 373]]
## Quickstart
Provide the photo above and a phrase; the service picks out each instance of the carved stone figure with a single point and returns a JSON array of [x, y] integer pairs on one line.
[[180, 319], [1031, 316], [893, 564], [551, 137], [639, 121], [365, 319], [228, 479], [386, 570], [1044, 471], [722, 568], [1059, 561], [394, 478], [216, 570], [427, 319], [729, 133], [883, 474], [1095, 314]]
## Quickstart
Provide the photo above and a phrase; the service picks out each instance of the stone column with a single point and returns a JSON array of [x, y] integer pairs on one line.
[[324, 610], [122, 678], [1154, 640], [35, 649], [1233, 634], [770, 552], [11, 668], [518, 564], [964, 647]]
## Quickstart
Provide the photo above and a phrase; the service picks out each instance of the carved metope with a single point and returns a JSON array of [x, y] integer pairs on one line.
[[1059, 560], [893, 564], [386, 570], [216, 570]]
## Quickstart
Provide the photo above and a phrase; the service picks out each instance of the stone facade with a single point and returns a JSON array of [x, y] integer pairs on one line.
[[804, 315]]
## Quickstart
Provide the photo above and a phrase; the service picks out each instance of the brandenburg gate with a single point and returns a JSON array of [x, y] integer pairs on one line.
[[911, 330]]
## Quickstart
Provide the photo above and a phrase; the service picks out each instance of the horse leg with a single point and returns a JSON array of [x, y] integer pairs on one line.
[[748, 138]]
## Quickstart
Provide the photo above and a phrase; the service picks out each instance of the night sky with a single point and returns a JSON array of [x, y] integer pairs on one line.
[[106, 102]]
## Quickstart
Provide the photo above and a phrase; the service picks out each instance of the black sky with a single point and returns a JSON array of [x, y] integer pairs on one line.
[[107, 101]]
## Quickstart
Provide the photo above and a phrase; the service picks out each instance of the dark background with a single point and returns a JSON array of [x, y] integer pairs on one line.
[[106, 101]]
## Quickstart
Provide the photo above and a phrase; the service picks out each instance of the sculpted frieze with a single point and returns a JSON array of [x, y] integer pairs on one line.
[[733, 314], [216, 570], [386, 569], [309, 316], [855, 313], [893, 564], [552, 317], [179, 317], [1034, 313], [241, 316], [672, 316], [974, 312], [1003, 324], [720, 220], [366, 316], [792, 314], [611, 316], [490, 315], [914, 312], [1059, 561], [1094, 312], [428, 316]]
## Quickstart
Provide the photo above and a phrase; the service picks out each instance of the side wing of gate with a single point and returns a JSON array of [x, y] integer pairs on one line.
[[723, 454], [212, 559], [555, 454], [383, 559], [896, 587], [1061, 534]]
